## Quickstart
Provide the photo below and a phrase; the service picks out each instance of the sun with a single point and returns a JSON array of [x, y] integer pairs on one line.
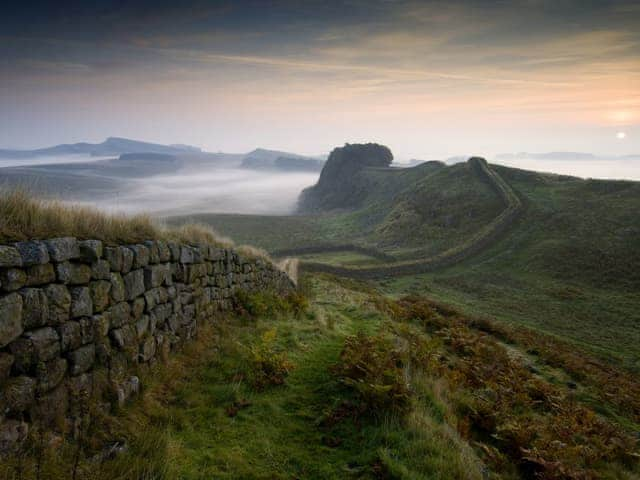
[[621, 135]]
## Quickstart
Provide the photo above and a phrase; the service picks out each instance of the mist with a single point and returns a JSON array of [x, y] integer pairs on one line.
[[606, 169], [216, 191]]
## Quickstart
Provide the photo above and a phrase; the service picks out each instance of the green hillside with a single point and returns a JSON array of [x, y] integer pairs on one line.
[[568, 264]]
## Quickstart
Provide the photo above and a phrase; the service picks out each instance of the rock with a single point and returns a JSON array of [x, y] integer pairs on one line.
[[86, 330], [33, 252], [174, 249], [187, 254], [13, 434], [81, 304], [59, 303], [100, 270], [142, 326], [44, 344], [123, 337], [50, 374], [73, 273], [62, 249], [134, 284], [6, 362], [127, 259], [140, 255], [154, 253], [18, 394], [9, 257], [11, 326], [99, 291], [70, 336], [155, 275], [13, 279], [35, 308], [82, 359], [101, 324], [113, 255], [40, 275], [137, 308], [164, 253], [148, 349], [120, 314], [117, 291], [90, 250]]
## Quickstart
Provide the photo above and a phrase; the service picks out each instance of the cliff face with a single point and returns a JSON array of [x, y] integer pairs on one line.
[[338, 185], [78, 314]]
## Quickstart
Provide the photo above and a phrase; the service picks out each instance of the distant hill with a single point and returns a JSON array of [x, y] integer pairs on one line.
[[263, 159], [111, 146]]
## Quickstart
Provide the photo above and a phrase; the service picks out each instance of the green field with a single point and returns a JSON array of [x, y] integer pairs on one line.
[[569, 266]]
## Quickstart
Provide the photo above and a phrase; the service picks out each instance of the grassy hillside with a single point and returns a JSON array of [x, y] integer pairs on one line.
[[569, 266], [356, 386]]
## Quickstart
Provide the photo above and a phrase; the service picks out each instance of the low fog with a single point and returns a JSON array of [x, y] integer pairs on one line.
[[217, 191], [220, 185]]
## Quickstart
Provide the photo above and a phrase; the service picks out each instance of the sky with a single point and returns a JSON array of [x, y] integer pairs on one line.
[[430, 79]]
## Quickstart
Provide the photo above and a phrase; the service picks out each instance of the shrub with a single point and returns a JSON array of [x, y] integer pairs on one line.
[[266, 365], [373, 368], [270, 304]]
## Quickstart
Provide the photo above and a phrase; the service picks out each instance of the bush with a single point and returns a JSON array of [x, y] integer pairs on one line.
[[267, 366], [270, 304], [373, 368]]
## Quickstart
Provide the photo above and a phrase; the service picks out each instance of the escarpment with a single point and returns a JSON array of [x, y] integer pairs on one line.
[[78, 318]]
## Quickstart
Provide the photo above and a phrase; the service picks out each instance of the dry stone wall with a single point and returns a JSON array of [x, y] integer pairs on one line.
[[72, 310]]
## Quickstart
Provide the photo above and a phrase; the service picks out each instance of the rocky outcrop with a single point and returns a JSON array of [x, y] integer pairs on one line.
[[74, 311], [338, 185]]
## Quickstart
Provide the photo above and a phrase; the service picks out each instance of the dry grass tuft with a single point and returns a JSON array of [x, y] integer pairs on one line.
[[25, 217], [290, 267]]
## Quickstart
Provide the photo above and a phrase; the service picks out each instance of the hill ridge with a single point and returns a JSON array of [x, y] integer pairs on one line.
[[479, 241]]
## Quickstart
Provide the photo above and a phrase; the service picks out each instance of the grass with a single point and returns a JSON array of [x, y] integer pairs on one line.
[[26, 217], [202, 415]]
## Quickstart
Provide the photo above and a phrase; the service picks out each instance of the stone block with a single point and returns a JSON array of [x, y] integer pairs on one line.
[[35, 308], [127, 259], [90, 250], [100, 270], [113, 255], [40, 274], [164, 253], [59, 303], [70, 335], [117, 291], [33, 252], [120, 314], [13, 279], [99, 291], [81, 303], [86, 330], [137, 308], [62, 249], [50, 374], [18, 394], [13, 433], [82, 359], [154, 253], [101, 325], [140, 256], [11, 326], [134, 284], [148, 349], [9, 257]]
